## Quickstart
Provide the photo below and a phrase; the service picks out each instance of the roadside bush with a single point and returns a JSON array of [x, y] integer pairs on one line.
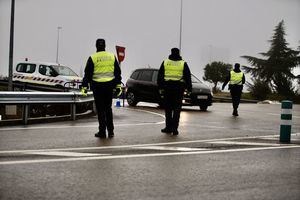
[[260, 90]]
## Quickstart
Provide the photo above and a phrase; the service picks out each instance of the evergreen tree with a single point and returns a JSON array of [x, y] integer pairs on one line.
[[216, 72], [276, 69]]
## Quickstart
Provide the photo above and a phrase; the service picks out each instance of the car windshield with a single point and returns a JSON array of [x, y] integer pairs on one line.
[[63, 70], [195, 79]]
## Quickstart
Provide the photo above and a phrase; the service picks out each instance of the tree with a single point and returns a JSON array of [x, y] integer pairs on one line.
[[259, 89], [216, 72], [276, 69]]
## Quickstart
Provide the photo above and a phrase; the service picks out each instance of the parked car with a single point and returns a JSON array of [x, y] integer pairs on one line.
[[142, 87], [43, 73]]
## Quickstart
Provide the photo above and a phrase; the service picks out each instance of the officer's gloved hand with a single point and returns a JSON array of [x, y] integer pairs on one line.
[[118, 90], [84, 91], [161, 93], [187, 93]]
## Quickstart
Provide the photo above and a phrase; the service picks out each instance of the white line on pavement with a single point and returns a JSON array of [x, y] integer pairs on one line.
[[244, 143], [72, 126], [64, 153], [137, 145], [90, 126], [164, 148], [144, 155], [278, 114]]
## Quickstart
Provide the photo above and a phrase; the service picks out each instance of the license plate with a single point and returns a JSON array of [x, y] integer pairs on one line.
[[202, 97]]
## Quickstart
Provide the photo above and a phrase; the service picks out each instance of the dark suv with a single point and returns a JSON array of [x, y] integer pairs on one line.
[[142, 86]]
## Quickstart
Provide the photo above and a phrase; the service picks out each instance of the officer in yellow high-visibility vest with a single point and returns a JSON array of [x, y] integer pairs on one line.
[[103, 74], [174, 77], [236, 80]]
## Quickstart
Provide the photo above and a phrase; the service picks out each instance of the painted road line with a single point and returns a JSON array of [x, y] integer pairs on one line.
[[144, 155], [146, 111], [91, 126], [244, 143], [138, 124], [64, 153], [164, 148], [277, 114], [137, 145], [80, 126]]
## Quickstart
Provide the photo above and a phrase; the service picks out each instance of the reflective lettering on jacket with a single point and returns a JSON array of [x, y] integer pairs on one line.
[[173, 70], [103, 66], [236, 78]]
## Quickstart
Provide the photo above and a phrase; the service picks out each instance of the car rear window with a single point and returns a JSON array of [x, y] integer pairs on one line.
[[146, 75], [25, 68]]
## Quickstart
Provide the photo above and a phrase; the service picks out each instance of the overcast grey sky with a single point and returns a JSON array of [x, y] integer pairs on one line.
[[213, 30]]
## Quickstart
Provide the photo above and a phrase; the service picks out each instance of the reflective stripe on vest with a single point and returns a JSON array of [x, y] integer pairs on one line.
[[103, 66], [173, 70], [236, 78]]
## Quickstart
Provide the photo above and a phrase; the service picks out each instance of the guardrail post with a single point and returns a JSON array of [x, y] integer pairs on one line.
[[25, 114], [286, 121], [73, 111]]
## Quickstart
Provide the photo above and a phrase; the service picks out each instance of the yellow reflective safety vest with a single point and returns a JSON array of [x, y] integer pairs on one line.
[[104, 66], [236, 78], [173, 70]]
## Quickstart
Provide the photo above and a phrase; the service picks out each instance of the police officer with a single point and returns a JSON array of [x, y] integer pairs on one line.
[[236, 79], [174, 77], [103, 74]]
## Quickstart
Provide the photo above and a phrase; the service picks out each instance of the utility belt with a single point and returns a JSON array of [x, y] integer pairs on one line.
[[174, 85], [235, 86], [109, 84]]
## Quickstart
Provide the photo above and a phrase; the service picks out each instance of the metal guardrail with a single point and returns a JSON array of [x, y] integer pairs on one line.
[[28, 98]]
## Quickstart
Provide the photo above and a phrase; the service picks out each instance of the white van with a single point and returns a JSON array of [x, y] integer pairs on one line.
[[44, 73]]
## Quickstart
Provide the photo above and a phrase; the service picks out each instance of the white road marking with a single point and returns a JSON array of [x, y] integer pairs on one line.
[[80, 126], [90, 126], [171, 148], [64, 153], [278, 114], [137, 145], [244, 143], [144, 155]]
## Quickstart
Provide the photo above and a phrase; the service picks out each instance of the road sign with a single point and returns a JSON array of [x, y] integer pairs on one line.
[[120, 53]]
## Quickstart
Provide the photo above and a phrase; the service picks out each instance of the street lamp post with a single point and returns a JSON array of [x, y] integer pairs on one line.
[[180, 31], [11, 46], [57, 44]]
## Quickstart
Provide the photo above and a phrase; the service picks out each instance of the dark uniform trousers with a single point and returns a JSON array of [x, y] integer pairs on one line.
[[173, 104], [236, 92], [103, 93]]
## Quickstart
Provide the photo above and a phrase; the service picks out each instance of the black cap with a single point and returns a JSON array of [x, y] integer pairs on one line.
[[175, 51], [100, 43]]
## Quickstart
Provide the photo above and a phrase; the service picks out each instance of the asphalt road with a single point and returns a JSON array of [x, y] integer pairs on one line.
[[215, 156]]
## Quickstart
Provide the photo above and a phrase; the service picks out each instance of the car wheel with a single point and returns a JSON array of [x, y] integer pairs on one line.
[[203, 107], [131, 99]]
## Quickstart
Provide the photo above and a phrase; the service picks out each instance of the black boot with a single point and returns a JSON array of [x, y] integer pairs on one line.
[[166, 130], [175, 132], [101, 134], [235, 113], [111, 134]]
